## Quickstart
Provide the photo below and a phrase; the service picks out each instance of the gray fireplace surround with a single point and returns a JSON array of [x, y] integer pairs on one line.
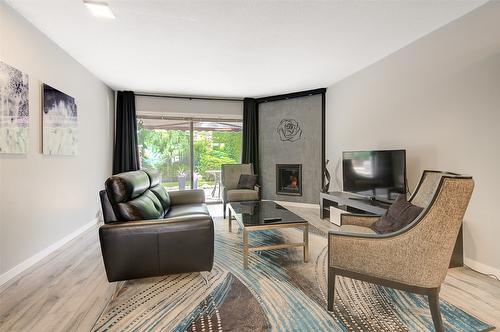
[[290, 132]]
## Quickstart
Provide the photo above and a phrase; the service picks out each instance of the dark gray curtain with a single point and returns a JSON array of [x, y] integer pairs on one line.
[[250, 153], [126, 153]]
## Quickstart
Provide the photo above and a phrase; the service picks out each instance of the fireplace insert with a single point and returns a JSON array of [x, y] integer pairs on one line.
[[289, 179]]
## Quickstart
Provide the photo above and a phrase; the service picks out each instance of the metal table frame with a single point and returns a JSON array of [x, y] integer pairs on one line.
[[247, 229]]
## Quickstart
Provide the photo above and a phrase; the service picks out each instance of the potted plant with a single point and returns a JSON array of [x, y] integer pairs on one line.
[[196, 178], [181, 177]]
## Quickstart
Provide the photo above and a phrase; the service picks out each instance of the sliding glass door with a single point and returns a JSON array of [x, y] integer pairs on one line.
[[164, 145], [214, 144], [189, 152]]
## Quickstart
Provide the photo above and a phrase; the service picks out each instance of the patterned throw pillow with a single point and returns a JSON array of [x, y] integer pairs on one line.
[[247, 181], [400, 214]]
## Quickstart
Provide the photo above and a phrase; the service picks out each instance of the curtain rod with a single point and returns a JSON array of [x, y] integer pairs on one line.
[[183, 118], [186, 97]]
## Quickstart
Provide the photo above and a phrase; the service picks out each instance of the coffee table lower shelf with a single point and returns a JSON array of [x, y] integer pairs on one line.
[[247, 229]]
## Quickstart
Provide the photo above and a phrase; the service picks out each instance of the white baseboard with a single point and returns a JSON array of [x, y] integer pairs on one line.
[[44, 253], [298, 204], [480, 267]]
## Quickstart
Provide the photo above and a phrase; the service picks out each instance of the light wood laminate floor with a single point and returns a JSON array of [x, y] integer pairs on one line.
[[68, 290]]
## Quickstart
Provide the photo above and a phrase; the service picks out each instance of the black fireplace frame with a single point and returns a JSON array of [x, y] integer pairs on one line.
[[278, 192]]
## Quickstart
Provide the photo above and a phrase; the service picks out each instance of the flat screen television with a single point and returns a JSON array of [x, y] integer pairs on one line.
[[377, 175]]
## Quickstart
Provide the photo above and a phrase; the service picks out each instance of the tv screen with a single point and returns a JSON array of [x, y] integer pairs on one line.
[[378, 174]]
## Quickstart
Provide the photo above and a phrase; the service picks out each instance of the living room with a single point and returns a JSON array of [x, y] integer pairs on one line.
[[317, 165]]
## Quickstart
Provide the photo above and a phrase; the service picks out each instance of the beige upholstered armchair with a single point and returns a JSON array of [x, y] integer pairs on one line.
[[413, 259], [230, 175]]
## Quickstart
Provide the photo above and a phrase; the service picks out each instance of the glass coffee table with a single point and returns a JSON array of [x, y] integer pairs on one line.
[[265, 215]]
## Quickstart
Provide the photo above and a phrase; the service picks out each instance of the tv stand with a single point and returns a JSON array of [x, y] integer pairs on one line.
[[372, 200], [350, 203]]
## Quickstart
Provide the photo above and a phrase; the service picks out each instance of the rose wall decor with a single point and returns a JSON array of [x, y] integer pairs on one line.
[[289, 130]]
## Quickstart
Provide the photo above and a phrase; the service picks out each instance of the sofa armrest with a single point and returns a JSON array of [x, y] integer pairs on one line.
[[149, 248], [358, 219], [187, 196]]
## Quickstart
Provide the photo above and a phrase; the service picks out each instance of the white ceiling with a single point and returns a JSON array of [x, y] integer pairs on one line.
[[235, 47]]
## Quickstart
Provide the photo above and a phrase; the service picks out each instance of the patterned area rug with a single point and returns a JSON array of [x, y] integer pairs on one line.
[[277, 293]]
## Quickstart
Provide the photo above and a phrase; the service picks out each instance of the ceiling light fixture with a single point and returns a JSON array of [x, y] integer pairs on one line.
[[99, 8]]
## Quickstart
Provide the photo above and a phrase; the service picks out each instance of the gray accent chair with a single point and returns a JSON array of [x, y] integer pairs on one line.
[[413, 259], [230, 175]]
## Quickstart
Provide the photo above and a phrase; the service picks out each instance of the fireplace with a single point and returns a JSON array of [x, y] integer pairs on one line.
[[289, 179]]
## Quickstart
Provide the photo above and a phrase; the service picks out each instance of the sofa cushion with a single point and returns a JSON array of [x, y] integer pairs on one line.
[[237, 195], [126, 186], [145, 207], [247, 181], [186, 209], [400, 214]]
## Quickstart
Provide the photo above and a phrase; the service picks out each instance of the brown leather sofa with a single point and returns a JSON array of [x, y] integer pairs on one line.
[[150, 232]]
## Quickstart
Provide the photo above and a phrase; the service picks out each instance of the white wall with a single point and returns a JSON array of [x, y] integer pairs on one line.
[[226, 109], [45, 198], [439, 98]]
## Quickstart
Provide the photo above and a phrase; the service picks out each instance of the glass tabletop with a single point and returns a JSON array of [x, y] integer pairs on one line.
[[259, 213]]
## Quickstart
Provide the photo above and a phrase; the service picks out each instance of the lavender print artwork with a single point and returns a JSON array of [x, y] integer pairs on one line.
[[14, 110], [60, 125]]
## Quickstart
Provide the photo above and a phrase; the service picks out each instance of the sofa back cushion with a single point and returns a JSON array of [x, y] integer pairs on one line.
[[126, 186], [154, 177], [162, 196], [144, 207], [133, 197], [158, 189]]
